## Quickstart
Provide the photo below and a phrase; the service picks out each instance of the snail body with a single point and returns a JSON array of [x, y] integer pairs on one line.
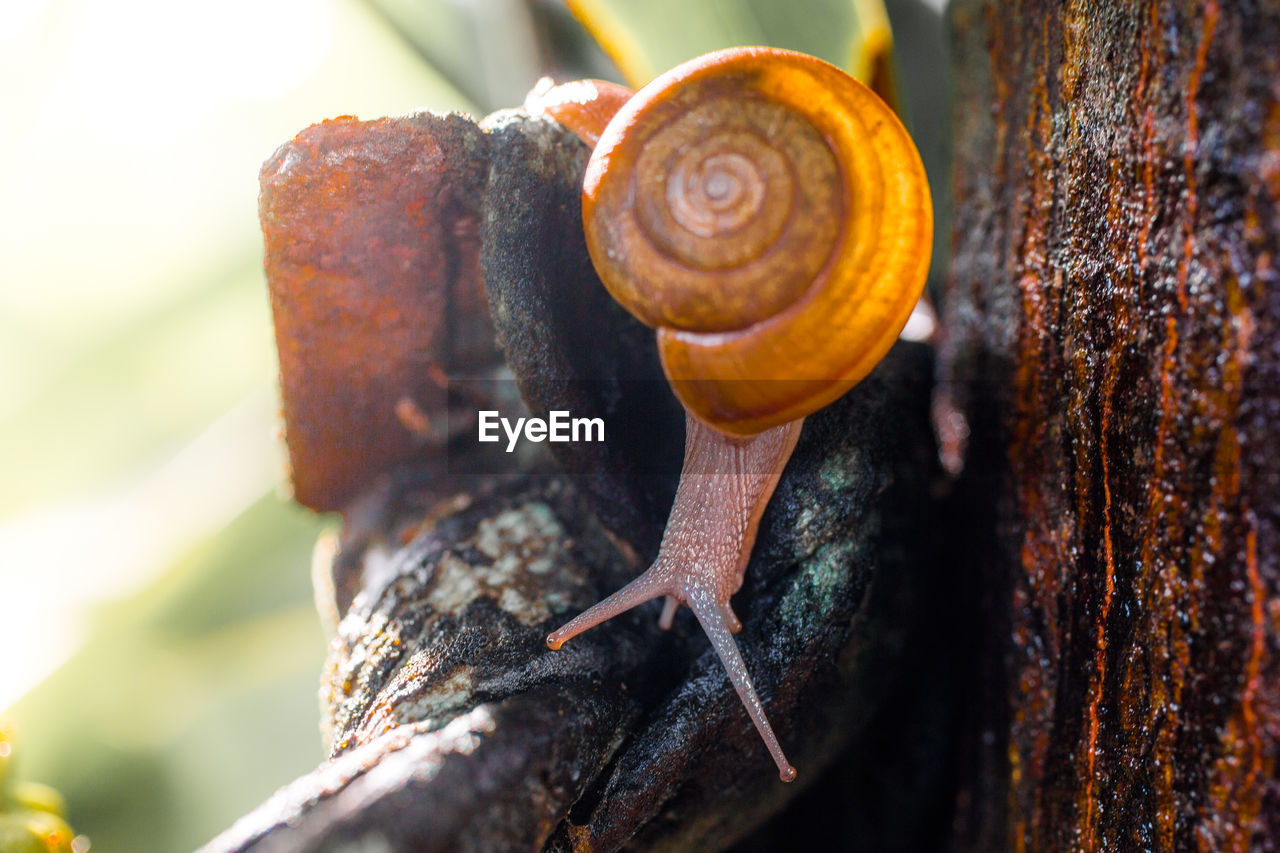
[[769, 216]]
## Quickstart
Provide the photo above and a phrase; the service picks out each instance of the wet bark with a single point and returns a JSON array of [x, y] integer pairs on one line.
[[1112, 354]]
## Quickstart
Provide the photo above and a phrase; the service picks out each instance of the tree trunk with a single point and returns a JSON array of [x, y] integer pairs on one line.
[[1112, 355]]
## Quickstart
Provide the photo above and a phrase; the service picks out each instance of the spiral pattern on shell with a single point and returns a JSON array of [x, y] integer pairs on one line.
[[770, 217], [731, 230]]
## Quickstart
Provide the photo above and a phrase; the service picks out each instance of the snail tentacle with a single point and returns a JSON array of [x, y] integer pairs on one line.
[[647, 587], [730, 618], [669, 608], [711, 617]]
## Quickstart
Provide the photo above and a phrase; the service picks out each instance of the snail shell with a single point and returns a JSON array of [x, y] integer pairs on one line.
[[770, 217]]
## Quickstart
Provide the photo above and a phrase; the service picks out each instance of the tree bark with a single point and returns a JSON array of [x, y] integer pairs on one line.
[[1112, 354]]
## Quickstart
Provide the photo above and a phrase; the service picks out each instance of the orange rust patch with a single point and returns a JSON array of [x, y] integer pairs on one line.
[[372, 260]]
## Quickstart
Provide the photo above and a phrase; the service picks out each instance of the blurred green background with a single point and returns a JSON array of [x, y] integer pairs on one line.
[[160, 652]]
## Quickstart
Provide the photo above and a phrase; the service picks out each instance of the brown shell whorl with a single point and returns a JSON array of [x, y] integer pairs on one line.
[[769, 216]]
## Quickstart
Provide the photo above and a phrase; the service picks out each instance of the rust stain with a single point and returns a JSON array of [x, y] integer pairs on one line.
[[1257, 766], [1098, 679], [372, 262]]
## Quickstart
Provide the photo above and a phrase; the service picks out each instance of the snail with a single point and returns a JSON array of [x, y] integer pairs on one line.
[[769, 216]]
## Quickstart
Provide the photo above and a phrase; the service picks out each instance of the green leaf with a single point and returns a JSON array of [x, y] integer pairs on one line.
[[134, 329], [486, 51], [645, 39]]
